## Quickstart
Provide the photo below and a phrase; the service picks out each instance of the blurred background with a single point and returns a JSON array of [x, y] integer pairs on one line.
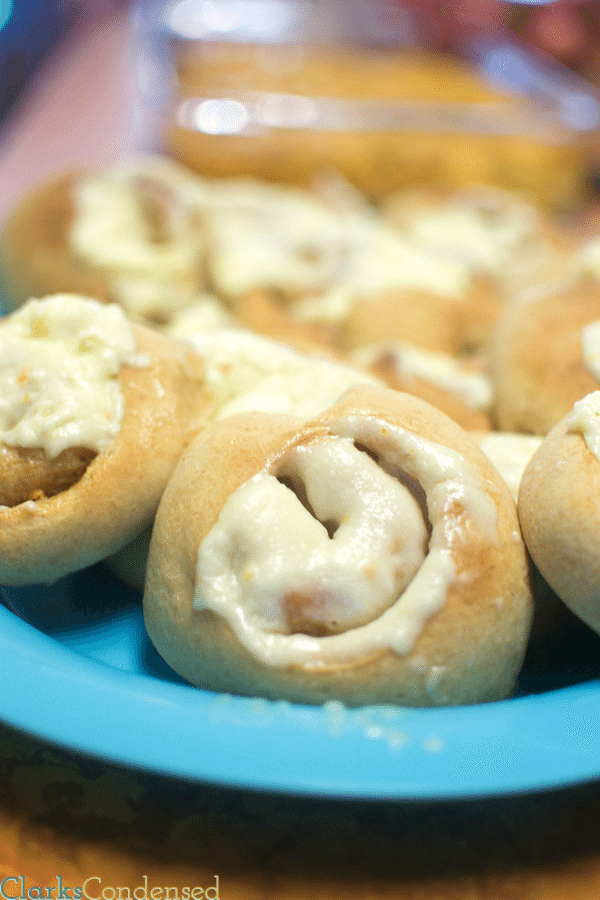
[[568, 30], [84, 80]]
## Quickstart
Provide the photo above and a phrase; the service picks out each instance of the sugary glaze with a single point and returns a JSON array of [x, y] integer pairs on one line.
[[376, 260], [510, 453], [244, 372], [138, 231], [153, 236], [585, 260], [590, 348], [584, 419], [328, 542]]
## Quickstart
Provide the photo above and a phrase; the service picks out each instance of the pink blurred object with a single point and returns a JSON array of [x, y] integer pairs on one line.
[[445, 24], [80, 108]]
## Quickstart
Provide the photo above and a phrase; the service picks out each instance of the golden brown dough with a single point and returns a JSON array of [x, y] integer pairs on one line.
[[469, 649], [559, 510], [459, 388], [35, 259], [537, 362], [459, 325], [26, 473]]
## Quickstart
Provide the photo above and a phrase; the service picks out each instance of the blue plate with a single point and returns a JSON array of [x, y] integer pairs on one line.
[[80, 672]]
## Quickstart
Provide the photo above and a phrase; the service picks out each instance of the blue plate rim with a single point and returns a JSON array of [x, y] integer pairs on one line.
[[529, 743]]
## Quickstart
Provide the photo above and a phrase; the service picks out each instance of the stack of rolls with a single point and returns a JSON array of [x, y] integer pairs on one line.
[[322, 266], [326, 407]]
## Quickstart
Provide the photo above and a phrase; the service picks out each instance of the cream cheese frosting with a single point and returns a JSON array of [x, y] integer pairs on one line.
[[329, 564], [247, 372], [372, 584], [206, 313], [59, 357], [380, 259], [586, 260], [243, 235], [139, 232], [289, 241], [263, 235], [585, 419], [510, 453]]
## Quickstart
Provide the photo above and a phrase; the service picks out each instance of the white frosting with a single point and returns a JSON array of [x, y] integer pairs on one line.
[[380, 259], [384, 259], [110, 230], [58, 360], [152, 298], [491, 236], [590, 348], [510, 453], [302, 248], [247, 372], [177, 176], [332, 582], [254, 235], [585, 419], [266, 235], [206, 313], [586, 261], [440, 369], [267, 555]]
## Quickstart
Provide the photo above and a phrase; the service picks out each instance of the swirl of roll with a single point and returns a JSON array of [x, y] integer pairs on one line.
[[370, 554], [94, 413], [124, 234], [559, 508]]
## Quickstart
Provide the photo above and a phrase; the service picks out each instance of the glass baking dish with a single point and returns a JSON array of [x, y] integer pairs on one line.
[[286, 89]]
